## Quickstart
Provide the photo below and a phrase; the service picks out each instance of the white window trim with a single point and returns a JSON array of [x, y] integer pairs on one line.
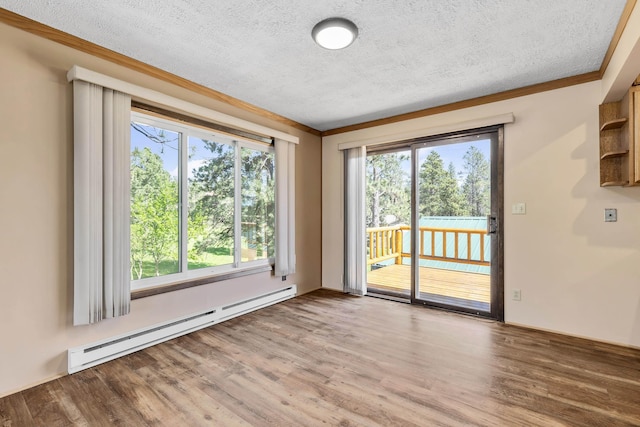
[[239, 143]]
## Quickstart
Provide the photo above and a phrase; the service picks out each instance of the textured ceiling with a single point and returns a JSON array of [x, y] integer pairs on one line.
[[409, 55]]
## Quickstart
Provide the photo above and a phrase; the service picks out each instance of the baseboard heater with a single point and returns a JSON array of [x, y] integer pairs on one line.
[[99, 352]]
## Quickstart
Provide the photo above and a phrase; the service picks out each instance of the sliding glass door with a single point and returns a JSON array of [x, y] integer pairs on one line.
[[434, 214]]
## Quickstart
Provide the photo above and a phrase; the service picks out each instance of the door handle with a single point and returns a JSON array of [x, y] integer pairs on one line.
[[492, 224]]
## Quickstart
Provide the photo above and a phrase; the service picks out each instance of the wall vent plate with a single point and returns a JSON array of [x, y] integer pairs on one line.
[[610, 215]]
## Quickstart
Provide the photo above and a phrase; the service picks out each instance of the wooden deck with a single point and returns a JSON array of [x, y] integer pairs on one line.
[[433, 281]]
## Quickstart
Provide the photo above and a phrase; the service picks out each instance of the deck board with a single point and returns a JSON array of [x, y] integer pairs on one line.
[[447, 283]]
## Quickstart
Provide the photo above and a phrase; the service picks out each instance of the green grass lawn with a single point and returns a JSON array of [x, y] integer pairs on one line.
[[210, 258]]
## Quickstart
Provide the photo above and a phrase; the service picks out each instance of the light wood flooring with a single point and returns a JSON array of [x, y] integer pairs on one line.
[[327, 358], [447, 283]]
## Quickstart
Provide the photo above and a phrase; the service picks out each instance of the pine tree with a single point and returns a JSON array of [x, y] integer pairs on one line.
[[431, 180], [388, 189], [453, 199], [477, 184], [211, 200], [258, 201], [438, 189]]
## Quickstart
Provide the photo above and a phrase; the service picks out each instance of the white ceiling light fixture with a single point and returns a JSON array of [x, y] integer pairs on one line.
[[334, 33]]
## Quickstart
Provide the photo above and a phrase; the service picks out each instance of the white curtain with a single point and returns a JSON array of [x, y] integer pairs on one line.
[[355, 273], [101, 203], [285, 247]]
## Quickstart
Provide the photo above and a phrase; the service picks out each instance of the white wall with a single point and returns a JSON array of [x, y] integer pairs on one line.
[[578, 275], [36, 215]]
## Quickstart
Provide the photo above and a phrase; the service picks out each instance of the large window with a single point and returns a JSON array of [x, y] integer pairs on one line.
[[201, 202]]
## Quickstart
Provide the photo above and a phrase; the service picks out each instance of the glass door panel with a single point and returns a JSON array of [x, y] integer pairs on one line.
[[453, 204], [388, 217]]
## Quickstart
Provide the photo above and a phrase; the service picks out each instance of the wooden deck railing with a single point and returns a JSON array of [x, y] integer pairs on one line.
[[385, 243]]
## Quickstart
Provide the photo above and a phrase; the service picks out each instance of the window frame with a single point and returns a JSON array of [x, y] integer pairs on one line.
[[185, 131]]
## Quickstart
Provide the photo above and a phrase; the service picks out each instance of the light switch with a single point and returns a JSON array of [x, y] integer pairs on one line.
[[519, 209], [610, 215]]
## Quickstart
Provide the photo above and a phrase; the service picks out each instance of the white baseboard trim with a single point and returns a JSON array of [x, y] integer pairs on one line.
[[93, 354]]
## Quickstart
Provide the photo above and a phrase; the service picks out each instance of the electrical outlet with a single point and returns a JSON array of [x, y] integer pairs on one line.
[[516, 296]]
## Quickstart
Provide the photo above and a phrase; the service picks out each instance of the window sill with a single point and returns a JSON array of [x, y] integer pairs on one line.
[[190, 283]]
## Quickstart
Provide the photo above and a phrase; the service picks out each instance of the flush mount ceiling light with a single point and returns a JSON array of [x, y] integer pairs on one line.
[[334, 33]]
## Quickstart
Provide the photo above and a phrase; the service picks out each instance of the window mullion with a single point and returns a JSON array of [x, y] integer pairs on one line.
[[237, 199], [184, 201]]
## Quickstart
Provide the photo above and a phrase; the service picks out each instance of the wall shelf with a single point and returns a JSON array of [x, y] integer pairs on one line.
[[613, 124], [614, 184], [620, 141], [617, 153]]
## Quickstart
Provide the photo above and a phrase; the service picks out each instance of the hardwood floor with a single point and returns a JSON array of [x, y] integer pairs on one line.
[[327, 358]]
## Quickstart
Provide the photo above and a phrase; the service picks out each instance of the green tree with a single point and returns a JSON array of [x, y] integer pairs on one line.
[[258, 201], [211, 200], [477, 184], [456, 204], [388, 189], [154, 212], [438, 189]]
